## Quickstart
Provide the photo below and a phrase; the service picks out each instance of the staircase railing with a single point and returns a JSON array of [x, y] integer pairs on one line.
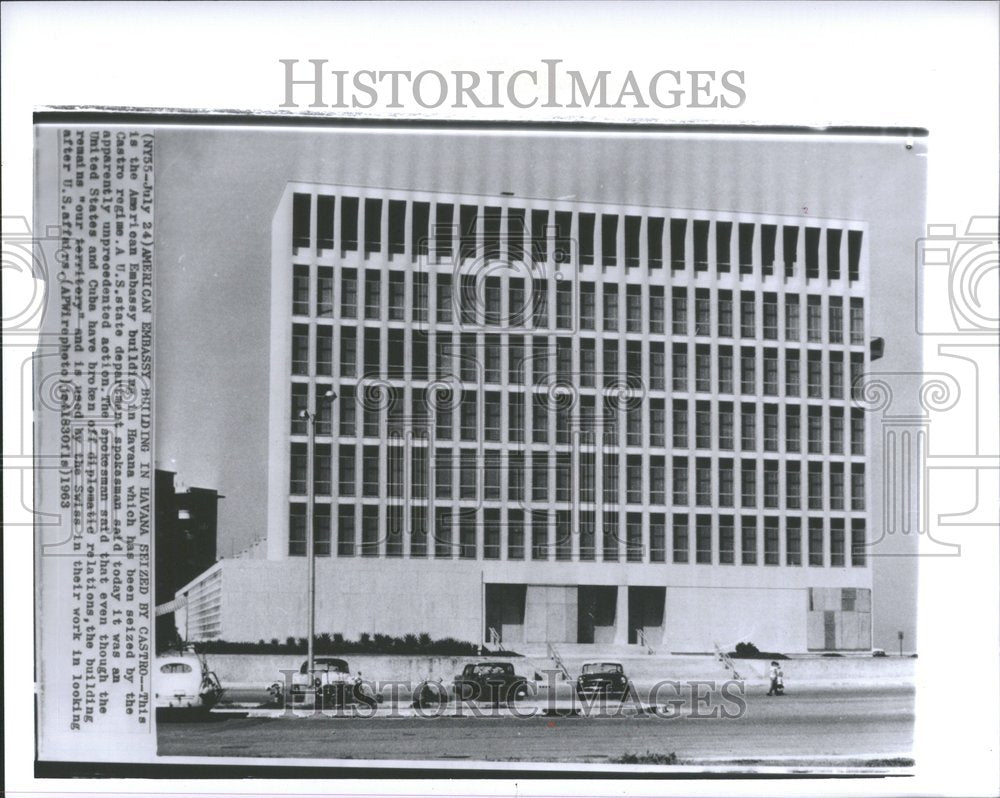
[[640, 636], [495, 639], [727, 661]]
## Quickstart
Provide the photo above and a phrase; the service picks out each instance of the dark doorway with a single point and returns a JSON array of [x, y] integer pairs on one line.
[[595, 620]]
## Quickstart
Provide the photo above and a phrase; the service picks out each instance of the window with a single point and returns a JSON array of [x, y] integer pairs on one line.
[[300, 349], [700, 230], [723, 245], [726, 483], [540, 303], [609, 240], [610, 538], [680, 538], [814, 433], [397, 227], [748, 427], [324, 292], [324, 350], [859, 547], [633, 427], [633, 537], [491, 306], [564, 477], [770, 372], [588, 362], [443, 230], [771, 316], [610, 478], [346, 470], [790, 242], [397, 296], [746, 248], [814, 375], [857, 375], [539, 476], [680, 424], [725, 314], [771, 484], [563, 237], [748, 540], [349, 293], [443, 521], [677, 232], [837, 486], [748, 483], [772, 555], [703, 539], [373, 294], [702, 425], [725, 369], [835, 321], [467, 474], [680, 367], [680, 481], [657, 480], [793, 386], [748, 315], [814, 319], [793, 541], [633, 225], [370, 351], [540, 419], [300, 290], [564, 305], [515, 535], [468, 417], [768, 239], [467, 536], [748, 370], [814, 486], [370, 471], [564, 535], [657, 310], [491, 359], [793, 485], [442, 473], [702, 312], [857, 486], [657, 366], [726, 425], [703, 482], [770, 428], [854, 238], [793, 433], [467, 222], [657, 423], [657, 537], [515, 476], [297, 485], [297, 530], [586, 224], [633, 308], [816, 542], [836, 430], [515, 360], [633, 359], [792, 313], [491, 425], [812, 253], [587, 306], [679, 311], [301, 220], [836, 375], [702, 368], [727, 540], [833, 238], [419, 229], [857, 322], [418, 532], [348, 412], [654, 241], [444, 303], [610, 307], [373, 225]]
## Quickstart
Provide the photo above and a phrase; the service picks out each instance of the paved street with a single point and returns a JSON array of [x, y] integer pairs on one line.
[[819, 726]]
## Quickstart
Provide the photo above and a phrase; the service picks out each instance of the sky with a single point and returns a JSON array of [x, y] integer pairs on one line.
[[216, 193]]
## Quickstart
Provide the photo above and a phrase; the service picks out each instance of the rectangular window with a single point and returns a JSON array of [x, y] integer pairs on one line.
[[610, 537], [587, 306], [835, 320], [723, 245], [703, 539], [746, 248], [857, 310], [657, 538], [726, 481], [301, 222], [369, 530], [837, 542], [854, 238], [370, 471], [418, 532], [837, 486], [857, 486], [836, 375], [562, 251], [516, 229], [725, 369], [770, 316], [793, 541], [814, 374], [586, 223], [491, 359], [564, 535], [680, 424], [443, 521], [748, 483], [816, 542], [657, 366], [677, 232], [300, 349], [657, 480], [443, 230], [703, 482], [812, 253], [346, 469], [373, 294], [633, 537], [770, 372], [814, 432], [467, 228], [748, 540], [564, 305], [515, 476], [814, 487], [792, 314], [397, 227], [654, 241], [748, 315], [491, 420], [681, 543], [300, 290], [859, 547], [772, 555], [702, 425], [771, 485], [373, 225], [727, 541], [610, 306], [770, 428], [346, 534], [680, 367], [633, 226], [515, 535], [814, 319], [324, 292], [539, 476], [790, 244], [748, 427], [700, 232], [678, 308], [793, 429], [419, 230], [633, 308], [349, 293], [468, 470], [833, 238], [726, 428], [609, 240], [539, 236], [793, 485], [702, 368], [748, 370], [836, 430], [324, 350], [725, 314], [539, 535], [325, 207], [680, 481], [768, 239], [397, 296]]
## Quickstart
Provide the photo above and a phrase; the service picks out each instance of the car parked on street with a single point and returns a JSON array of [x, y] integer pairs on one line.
[[330, 681], [490, 681], [183, 683], [602, 678]]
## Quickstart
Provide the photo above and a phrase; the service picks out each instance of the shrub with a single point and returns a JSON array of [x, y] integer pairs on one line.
[[648, 758], [750, 651]]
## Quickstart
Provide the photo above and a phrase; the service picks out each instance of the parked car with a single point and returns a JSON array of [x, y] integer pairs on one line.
[[490, 681], [602, 678], [331, 681], [184, 682]]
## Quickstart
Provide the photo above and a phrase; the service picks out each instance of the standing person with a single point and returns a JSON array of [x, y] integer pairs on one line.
[[774, 675], [781, 681]]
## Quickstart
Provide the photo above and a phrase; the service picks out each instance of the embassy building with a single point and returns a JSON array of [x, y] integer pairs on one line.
[[562, 422]]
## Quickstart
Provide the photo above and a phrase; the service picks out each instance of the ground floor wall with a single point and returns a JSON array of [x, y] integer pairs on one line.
[[530, 605]]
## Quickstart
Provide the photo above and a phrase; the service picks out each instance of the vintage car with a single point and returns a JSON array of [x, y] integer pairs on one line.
[[602, 678], [331, 681], [490, 681], [183, 682]]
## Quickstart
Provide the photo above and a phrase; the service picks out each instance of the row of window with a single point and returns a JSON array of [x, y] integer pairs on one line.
[[544, 535], [720, 312], [491, 360], [544, 476], [642, 422], [542, 236]]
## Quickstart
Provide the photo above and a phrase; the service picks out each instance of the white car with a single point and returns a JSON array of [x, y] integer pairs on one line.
[[184, 682]]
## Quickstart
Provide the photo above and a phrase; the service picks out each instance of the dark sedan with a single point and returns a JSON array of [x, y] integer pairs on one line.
[[490, 681], [602, 678]]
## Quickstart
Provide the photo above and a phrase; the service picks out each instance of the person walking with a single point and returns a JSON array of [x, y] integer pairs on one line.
[[781, 681], [775, 674]]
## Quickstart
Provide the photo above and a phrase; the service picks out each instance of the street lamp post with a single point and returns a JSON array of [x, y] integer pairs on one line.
[[310, 419]]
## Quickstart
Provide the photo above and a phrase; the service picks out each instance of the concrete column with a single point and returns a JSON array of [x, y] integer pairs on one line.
[[621, 616]]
